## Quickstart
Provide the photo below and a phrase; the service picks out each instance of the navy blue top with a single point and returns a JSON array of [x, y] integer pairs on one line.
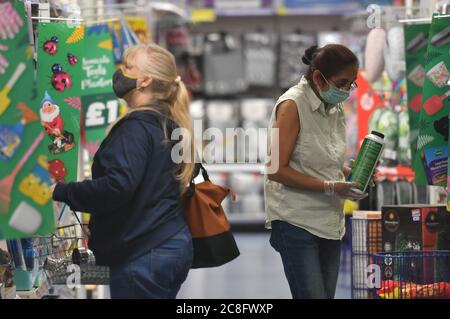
[[133, 195]]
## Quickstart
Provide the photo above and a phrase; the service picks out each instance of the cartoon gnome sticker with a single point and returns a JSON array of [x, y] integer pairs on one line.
[[52, 121]]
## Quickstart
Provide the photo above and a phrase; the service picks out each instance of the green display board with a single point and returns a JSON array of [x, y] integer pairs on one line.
[[100, 105], [59, 88], [431, 162], [416, 42], [25, 195]]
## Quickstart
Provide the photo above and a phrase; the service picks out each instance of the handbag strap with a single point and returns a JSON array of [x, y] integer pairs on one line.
[[191, 188]]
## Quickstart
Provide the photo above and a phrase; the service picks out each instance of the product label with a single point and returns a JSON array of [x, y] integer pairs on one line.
[[435, 161], [391, 221], [416, 215], [365, 163]]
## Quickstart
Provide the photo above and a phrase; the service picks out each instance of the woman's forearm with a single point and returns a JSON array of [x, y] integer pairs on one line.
[[292, 178]]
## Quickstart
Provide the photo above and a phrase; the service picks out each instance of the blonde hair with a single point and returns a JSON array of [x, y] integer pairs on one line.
[[166, 86]]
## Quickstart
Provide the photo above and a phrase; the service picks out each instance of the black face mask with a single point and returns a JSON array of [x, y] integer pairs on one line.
[[123, 84]]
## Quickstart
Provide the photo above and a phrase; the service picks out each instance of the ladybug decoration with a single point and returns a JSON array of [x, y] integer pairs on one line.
[[56, 68], [51, 46], [57, 170], [72, 59], [60, 79]]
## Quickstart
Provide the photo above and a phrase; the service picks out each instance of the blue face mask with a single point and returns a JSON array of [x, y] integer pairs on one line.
[[334, 95]]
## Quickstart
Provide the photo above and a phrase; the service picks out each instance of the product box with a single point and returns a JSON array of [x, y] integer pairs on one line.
[[410, 233], [435, 161]]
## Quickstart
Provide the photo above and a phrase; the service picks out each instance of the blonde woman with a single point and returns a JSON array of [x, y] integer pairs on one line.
[[137, 227]]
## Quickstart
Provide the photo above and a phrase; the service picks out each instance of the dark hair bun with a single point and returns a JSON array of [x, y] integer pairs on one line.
[[308, 57]]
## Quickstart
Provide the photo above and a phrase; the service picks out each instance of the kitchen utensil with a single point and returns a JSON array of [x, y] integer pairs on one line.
[[6, 183], [417, 43], [5, 101], [417, 75], [435, 103], [439, 75], [441, 38]]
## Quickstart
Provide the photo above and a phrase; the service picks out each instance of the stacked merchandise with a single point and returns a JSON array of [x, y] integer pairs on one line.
[[366, 240], [416, 260], [292, 48], [172, 33], [260, 59], [250, 201], [255, 118], [413, 228], [223, 66], [220, 115]]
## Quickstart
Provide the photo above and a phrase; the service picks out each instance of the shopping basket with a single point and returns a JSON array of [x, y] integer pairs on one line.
[[65, 252], [413, 275]]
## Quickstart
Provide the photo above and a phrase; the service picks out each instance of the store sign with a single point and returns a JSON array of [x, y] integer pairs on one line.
[[101, 110], [100, 105], [416, 42], [59, 59], [431, 162], [25, 194], [96, 73]]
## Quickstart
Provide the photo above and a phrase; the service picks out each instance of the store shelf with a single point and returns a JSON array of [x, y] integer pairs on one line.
[[242, 12], [325, 10], [247, 219], [231, 168], [200, 14]]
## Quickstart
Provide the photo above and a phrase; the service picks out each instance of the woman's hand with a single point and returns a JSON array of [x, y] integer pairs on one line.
[[373, 180], [348, 190]]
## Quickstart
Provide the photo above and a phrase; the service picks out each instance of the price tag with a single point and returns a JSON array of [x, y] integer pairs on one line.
[[100, 110], [203, 15]]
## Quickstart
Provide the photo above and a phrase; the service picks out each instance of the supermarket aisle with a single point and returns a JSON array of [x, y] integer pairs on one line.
[[257, 273]]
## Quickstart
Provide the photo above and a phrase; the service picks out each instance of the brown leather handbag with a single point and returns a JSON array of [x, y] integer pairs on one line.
[[213, 241]]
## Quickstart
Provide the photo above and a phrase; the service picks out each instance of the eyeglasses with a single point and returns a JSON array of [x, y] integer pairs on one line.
[[351, 87]]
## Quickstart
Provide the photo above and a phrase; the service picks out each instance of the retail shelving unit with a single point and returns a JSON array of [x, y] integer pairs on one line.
[[233, 168]]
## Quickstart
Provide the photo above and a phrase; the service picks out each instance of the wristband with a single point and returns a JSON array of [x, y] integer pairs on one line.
[[329, 188]]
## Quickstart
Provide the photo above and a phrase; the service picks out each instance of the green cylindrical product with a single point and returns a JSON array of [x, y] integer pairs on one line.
[[367, 160]]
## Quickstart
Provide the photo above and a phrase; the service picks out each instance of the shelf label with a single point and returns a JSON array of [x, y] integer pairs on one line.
[[282, 11], [203, 15]]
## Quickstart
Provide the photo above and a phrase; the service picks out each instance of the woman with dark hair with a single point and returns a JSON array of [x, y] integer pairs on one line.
[[305, 196]]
